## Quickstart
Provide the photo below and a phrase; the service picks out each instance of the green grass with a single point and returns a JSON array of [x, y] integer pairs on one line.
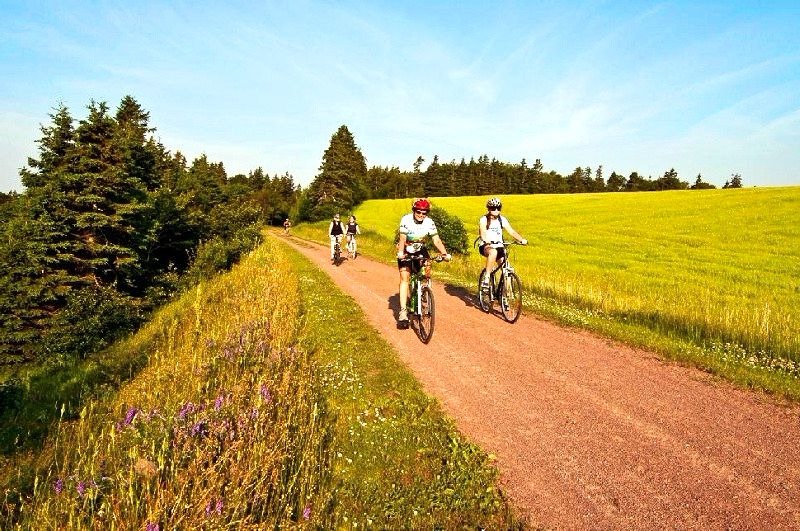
[[251, 410], [708, 277]]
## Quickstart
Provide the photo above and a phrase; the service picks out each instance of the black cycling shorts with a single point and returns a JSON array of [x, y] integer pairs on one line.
[[501, 251], [413, 265]]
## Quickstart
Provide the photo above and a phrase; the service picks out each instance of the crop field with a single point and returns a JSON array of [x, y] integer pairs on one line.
[[719, 268]]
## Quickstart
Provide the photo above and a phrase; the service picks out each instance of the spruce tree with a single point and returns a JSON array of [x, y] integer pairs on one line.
[[340, 184]]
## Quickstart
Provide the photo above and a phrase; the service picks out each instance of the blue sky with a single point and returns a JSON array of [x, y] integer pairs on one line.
[[704, 87]]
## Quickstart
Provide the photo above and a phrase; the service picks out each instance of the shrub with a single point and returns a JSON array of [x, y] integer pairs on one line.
[[451, 230], [93, 318]]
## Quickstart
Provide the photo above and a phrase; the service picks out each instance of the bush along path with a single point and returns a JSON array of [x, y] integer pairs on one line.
[[256, 408], [589, 433]]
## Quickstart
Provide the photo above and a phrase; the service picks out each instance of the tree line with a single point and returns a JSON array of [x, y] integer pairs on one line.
[[344, 180], [110, 225]]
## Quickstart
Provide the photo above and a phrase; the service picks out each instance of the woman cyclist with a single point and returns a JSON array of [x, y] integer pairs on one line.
[[352, 230], [335, 231], [415, 228], [490, 227]]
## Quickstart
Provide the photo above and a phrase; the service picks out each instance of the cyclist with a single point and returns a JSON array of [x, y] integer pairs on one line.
[[490, 228], [335, 231], [415, 228], [286, 225], [352, 230]]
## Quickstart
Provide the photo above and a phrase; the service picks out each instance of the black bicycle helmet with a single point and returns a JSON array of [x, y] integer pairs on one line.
[[494, 203]]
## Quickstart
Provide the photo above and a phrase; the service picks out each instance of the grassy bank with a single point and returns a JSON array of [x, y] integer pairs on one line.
[[252, 409], [708, 277]]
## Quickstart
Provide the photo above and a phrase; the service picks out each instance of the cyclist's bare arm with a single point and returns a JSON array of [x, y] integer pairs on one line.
[[401, 246], [437, 242], [516, 235]]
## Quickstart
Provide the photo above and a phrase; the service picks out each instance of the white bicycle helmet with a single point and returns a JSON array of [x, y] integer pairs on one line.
[[494, 203]]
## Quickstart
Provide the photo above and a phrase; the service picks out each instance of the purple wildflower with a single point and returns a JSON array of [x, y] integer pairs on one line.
[[265, 394], [58, 486], [214, 505], [130, 416], [218, 402], [198, 429], [307, 512], [81, 488], [153, 526], [187, 409]]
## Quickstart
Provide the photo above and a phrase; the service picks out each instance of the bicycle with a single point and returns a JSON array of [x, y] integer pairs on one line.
[[337, 252], [352, 249], [507, 289], [421, 308]]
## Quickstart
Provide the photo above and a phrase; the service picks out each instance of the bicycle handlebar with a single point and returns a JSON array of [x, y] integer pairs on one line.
[[418, 258]]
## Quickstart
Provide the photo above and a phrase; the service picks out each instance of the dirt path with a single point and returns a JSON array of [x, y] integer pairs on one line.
[[589, 433]]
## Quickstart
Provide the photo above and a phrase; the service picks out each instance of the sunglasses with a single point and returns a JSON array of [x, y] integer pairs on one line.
[[421, 212], [494, 210]]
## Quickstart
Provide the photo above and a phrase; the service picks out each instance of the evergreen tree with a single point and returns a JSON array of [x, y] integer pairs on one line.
[[340, 184], [615, 183], [576, 181], [735, 182], [670, 181], [435, 180], [700, 185]]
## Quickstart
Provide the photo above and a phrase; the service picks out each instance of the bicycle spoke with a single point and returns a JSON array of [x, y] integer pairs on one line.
[[511, 298]]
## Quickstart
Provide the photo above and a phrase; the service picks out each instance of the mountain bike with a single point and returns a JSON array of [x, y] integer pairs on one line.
[[352, 248], [504, 287], [337, 252], [421, 308]]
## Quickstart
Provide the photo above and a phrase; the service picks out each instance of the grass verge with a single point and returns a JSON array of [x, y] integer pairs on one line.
[[253, 409]]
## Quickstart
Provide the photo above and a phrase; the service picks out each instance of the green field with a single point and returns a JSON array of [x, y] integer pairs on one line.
[[715, 270]]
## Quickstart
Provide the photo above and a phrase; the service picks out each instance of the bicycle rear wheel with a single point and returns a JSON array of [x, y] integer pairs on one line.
[[511, 298], [427, 314]]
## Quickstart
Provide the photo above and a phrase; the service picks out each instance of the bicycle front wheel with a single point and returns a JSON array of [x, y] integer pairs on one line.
[[427, 314], [484, 295], [511, 297]]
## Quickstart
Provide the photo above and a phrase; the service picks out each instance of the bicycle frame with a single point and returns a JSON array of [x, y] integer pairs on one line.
[[352, 245], [415, 284], [421, 305], [504, 286]]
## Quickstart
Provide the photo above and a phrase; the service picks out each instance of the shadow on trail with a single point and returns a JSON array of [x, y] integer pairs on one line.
[[393, 303], [467, 297]]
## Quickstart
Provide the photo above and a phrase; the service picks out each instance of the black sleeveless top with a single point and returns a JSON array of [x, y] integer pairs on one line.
[[336, 230], [351, 228]]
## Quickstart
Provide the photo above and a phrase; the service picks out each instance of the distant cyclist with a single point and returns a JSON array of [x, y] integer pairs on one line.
[[335, 231], [286, 225], [415, 229], [490, 228], [352, 230]]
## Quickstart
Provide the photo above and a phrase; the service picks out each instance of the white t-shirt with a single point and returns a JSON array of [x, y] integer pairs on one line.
[[416, 232], [495, 231]]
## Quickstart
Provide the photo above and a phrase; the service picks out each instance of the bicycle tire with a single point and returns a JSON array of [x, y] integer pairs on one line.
[[337, 254], [427, 314], [484, 297], [511, 297]]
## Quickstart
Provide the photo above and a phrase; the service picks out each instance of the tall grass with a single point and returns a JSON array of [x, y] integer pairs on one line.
[[244, 416], [223, 428], [716, 268]]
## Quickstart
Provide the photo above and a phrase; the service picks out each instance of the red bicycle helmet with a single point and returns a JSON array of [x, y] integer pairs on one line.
[[421, 204]]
